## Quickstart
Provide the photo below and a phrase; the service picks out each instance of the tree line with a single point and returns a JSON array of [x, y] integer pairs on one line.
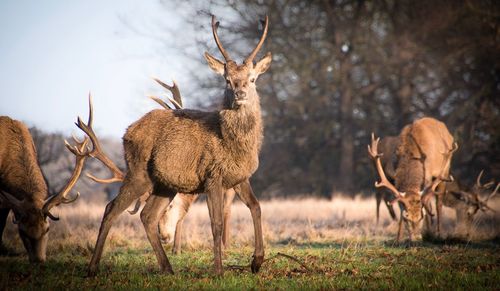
[[343, 69]]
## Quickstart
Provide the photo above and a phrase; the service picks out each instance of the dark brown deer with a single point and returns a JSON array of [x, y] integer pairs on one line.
[[467, 202], [189, 151], [23, 188], [388, 146], [424, 156]]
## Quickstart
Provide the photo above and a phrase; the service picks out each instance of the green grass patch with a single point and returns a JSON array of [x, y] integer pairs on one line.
[[367, 265]]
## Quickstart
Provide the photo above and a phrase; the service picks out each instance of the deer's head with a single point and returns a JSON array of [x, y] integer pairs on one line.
[[240, 79], [32, 224], [471, 201]]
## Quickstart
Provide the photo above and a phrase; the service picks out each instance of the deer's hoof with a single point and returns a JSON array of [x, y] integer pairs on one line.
[[256, 263], [91, 272], [168, 271]]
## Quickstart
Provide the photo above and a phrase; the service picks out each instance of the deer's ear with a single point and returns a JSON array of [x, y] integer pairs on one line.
[[263, 64], [214, 64]]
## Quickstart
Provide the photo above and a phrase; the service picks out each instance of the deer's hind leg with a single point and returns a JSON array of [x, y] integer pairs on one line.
[[150, 216], [132, 188], [228, 200]]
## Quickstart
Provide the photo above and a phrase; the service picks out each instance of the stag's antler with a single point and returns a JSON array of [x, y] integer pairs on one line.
[[485, 186], [174, 89], [96, 151], [431, 190], [215, 25], [252, 55], [484, 204], [384, 182], [81, 152]]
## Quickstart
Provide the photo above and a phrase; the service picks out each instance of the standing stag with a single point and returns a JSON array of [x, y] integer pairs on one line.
[[171, 221], [189, 151], [23, 188], [424, 156]]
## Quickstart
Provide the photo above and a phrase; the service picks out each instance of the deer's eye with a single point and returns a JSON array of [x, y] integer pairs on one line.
[[252, 80]]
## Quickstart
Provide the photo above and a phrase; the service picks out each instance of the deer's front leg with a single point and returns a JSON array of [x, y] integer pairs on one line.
[[400, 228], [247, 196], [215, 202]]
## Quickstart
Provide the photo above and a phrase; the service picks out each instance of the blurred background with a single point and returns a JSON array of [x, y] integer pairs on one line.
[[341, 70]]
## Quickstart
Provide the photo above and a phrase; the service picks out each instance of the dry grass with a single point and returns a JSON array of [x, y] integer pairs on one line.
[[294, 222], [337, 240]]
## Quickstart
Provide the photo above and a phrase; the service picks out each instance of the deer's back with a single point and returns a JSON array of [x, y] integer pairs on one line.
[[430, 137], [177, 148], [20, 174]]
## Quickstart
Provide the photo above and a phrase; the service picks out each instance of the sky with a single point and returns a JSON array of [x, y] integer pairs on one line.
[[53, 53]]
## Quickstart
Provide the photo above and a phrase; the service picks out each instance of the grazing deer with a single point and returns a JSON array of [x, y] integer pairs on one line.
[[189, 151], [424, 156], [23, 188], [388, 146], [467, 201]]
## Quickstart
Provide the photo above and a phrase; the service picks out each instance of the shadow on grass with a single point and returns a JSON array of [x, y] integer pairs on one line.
[[312, 245], [432, 241]]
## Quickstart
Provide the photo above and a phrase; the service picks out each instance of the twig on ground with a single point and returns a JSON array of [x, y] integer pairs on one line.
[[241, 268]]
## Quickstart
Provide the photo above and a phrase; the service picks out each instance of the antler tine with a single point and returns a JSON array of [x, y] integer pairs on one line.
[[478, 179], [454, 148], [493, 193], [384, 182], [81, 152], [61, 197], [177, 105], [161, 102], [174, 89], [252, 55], [215, 25], [96, 151]]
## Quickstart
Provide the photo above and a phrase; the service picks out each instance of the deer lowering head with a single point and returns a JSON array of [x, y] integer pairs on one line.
[[424, 154], [467, 202], [23, 189]]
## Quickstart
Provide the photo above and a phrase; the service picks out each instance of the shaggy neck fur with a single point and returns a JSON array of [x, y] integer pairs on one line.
[[410, 172], [241, 127], [25, 176], [409, 175]]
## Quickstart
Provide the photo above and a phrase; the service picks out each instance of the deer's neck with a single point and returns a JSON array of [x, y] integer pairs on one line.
[[22, 176], [241, 128], [409, 175]]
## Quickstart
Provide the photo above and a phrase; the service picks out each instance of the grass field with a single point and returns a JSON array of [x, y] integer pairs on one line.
[[337, 243]]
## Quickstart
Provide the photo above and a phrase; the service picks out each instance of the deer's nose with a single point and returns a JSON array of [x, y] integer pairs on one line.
[[240, 94]]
